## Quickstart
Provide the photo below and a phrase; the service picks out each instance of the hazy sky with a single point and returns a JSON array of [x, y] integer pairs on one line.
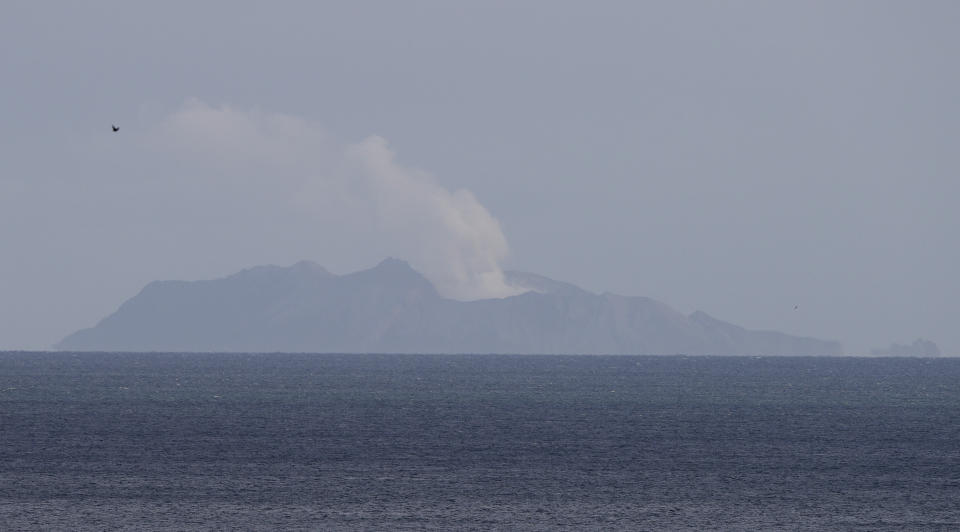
[[735, 157]]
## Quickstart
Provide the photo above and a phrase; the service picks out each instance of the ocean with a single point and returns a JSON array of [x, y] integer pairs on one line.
[[161, 441]]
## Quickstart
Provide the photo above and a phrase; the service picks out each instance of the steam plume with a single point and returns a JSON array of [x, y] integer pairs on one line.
[[447, 235]]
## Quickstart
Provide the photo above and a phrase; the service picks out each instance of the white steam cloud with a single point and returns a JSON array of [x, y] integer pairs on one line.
[[447, 235]]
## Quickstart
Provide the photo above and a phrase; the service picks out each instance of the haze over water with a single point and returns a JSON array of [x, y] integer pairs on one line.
[[786, 166], [780, 166], [255, 441]]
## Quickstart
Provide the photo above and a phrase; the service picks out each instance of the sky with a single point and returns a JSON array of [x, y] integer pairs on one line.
[[787, 166]]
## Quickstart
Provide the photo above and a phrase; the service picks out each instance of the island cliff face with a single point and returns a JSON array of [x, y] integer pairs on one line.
[[393, 309]]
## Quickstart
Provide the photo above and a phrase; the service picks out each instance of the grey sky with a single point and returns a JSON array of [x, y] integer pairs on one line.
[[738, 157]]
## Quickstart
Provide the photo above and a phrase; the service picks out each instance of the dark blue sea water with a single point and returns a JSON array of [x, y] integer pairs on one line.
[[328, 442]]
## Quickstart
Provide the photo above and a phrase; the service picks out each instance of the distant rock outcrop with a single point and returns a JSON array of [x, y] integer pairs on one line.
[[392, 308], [919, 348]]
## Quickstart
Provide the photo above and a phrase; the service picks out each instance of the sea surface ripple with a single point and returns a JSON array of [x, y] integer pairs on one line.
[[161, 441]]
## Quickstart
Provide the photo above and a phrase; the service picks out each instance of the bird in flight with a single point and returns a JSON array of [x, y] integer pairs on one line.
[[795, 307], [115, 128]]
